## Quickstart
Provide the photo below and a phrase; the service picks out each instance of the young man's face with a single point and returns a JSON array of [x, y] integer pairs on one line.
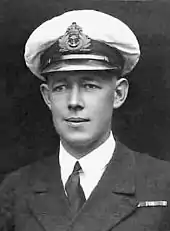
[[82, 103]]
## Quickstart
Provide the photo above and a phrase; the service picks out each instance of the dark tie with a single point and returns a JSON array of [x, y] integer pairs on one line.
[[74, 190]]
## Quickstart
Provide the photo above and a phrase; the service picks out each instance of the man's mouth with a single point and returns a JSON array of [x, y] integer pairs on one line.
[[76, 120]]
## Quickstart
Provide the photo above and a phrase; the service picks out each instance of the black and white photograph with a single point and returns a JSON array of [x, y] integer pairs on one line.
[[85, 115]]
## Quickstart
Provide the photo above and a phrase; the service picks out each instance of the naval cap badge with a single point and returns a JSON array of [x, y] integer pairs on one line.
[[74, 40]]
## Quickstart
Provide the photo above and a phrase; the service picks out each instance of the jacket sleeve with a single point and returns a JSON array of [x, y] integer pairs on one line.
[[7, 202]]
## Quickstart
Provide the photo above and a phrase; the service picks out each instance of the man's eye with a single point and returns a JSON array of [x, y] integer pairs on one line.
[[90, 86], [59, 88]]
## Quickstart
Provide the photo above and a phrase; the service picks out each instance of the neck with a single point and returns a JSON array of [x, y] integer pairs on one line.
[[80, 150]]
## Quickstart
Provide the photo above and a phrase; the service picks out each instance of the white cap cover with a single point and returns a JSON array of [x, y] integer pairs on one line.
[[88, 26]]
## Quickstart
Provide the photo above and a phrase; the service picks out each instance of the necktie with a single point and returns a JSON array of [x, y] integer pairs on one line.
[[74, 190]]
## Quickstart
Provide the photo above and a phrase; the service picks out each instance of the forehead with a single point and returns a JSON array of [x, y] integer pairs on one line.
[[100, 76]]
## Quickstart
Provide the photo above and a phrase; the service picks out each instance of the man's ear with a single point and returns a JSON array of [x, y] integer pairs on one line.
[[121, 92], [46, 94]]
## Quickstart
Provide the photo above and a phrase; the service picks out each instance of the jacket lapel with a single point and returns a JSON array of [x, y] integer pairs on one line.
[[47, 201], [114, 197]]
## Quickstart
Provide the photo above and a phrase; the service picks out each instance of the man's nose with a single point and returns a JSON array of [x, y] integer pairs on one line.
[[75, 101]]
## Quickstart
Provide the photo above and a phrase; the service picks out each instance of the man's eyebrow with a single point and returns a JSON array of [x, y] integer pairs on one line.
[[60, 79], [91, 78]]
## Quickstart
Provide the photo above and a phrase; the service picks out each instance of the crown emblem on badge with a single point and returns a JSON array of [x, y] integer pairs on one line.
[[74, 40]]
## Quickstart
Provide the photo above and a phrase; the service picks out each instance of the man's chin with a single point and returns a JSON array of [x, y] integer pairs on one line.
[[78, 139]]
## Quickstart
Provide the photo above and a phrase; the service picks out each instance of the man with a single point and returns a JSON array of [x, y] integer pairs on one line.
[[94, 183]]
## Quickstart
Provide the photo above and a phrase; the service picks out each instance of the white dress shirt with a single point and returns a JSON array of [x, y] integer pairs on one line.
[[93, 165]]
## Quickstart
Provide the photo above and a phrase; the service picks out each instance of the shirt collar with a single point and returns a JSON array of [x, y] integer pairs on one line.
[[98, 157]]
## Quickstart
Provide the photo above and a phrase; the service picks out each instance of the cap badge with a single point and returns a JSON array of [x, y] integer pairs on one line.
[[74, 40]]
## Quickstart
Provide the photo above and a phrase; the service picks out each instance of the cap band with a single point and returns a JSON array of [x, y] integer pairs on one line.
[[85, 56]]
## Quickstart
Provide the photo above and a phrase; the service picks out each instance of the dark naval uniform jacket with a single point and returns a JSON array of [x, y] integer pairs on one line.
[[132, 195]]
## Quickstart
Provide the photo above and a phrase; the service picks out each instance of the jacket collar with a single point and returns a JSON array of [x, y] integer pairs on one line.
[[111, 201]]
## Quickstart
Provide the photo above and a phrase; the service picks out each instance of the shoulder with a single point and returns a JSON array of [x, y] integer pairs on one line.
[[145, 163], [19, 181], [15, 185], [152, 165], [152, 174], [25, 174], [149, 171], [7, 199]]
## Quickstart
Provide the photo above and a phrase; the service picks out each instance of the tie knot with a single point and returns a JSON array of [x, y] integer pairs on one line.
[[77, 167]]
